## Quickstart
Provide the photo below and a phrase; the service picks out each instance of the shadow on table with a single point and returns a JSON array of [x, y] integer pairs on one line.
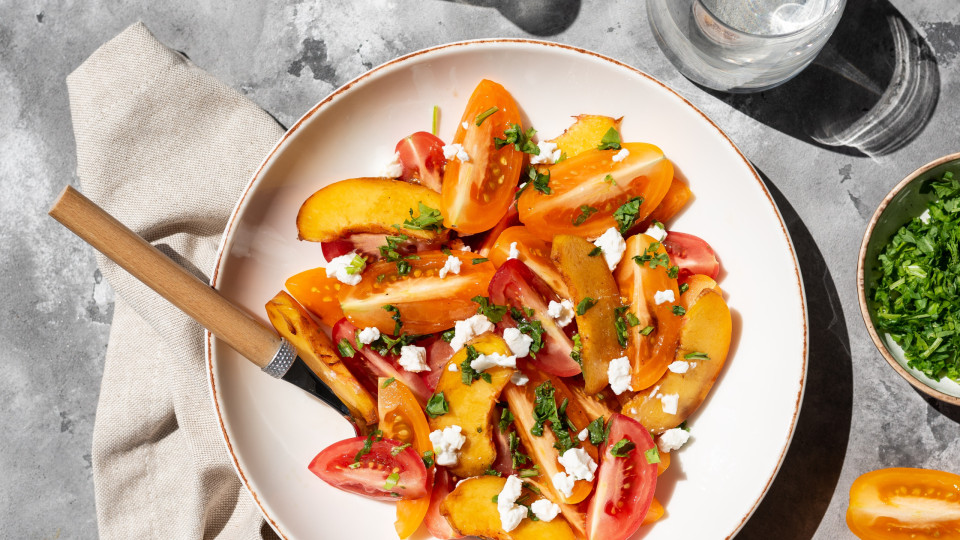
[[799, 496], [537, 17], [871, 90]]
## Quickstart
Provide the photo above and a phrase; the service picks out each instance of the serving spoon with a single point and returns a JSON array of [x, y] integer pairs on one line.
[[201, 302]]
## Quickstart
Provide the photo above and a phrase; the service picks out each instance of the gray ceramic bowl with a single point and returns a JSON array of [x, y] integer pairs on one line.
[[902, 204]]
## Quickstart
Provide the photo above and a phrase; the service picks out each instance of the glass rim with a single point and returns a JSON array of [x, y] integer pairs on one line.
[[840, 4]]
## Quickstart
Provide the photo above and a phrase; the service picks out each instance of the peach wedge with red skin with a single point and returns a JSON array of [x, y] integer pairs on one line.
[[364, 206]]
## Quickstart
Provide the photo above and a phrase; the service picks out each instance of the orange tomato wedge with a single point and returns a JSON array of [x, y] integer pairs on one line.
[[318, 293], [534, 252], [901, 503], [678, 194]]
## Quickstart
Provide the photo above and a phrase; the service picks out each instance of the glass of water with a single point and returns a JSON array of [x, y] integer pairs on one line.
[[742, 45]]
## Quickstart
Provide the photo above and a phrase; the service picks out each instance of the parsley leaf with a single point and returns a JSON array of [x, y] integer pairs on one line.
[[388, 382], [585, 304], [646, 330], [391, 481], [585, 213], [526, 324], [620, 325], [577, 352], [428, 459], [518, 457], [484, 115], [609, 179], [396, 318], [467, 373], [345, 348], [610, 140], [437, 405], [357, 264], [519, 139], [396, 451], [480, 260], [545, 410], [598, 435], [595, 251], [540, 181], [626, 215], [679, 311], [696, 356], [529, 473], [622, 448], [506, 418], [487, 308], [448, 335], [391, 253], [428, 220], [684, 287], [652, 455]]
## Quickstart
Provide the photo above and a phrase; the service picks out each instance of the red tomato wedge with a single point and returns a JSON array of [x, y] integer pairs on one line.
[[336, 248], [477, 192], [625, 485], [588, 188], [515, 285], [534, 252], [318, 293], [427, 303], [386, 472], [438, 352], [367, 365], [692, 254], [900, 503], [421, 156], [443, 484]]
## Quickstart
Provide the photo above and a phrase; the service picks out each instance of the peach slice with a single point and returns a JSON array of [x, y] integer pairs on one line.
[[585, 134], [696, 284]]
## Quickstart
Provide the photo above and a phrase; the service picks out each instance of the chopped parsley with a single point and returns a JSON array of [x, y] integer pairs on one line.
[[396, 451], [585, 213], [396, 318], [517, 457], [391, 253], [391, 481], [539, 181], [598, 435], [467, 373], [437, 405], [652, 455], [490, 310], [388, 382], [521, 140], [595, 251], [626, 215], [357, 264], [436, 119], [622, 448], [345, 348], [585, 304], [545, 410], [526, 324], [491, 472], [506, 418], [646, 330], [609, 179], [429, 219], [651, 258], [673, 272], [529, 473], [577, 352], [696, 356], [632, 319], [484, 115], [428, 459], [679, 311], [620, 325], [684, 287], [387, 345], [377, 436], [610, 140], [448, 335], [480, 260]]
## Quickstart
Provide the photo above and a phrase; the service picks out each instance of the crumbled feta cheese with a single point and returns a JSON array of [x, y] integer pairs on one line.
[[656, 231], [466, 248], [583, 434], [621, 155], [455, 150], [680, 366], [660, 297], [511, 513], [564, 483], [338, 267], [393, 169], [578, 464], [518, 342], [549, 153], [618, 374], [413, 358], [468, 329], [654, 391], [673, 439], [446, 445], [670, 402], [519, 379], [450, 266], [453, 367], [613, 245], [514, 252], [368, 335], [545, 510], [925, 216], [465, 124], [487, 361], [562, 311]]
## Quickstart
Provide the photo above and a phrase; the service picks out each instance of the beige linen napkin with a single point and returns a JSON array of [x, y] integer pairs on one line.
[[167, 149]]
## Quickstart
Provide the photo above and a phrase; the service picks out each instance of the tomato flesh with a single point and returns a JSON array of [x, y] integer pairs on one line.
[[534, 252], [625, 485], [421, 156], [692, 254], [509, 220], [438, 352], [438, 526], [333, 465], [477, 192], [901, 503], [318, 293]]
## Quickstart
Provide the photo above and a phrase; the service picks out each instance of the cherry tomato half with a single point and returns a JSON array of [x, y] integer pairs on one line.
[[478, 190], [625, 485], [421, 156], [899, 503], [692, 254], [385, 473]]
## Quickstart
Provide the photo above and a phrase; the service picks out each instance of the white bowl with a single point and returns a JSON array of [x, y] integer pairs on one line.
[[740, 435]]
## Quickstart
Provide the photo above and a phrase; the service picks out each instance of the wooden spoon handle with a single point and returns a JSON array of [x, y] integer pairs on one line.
[[197, 299]]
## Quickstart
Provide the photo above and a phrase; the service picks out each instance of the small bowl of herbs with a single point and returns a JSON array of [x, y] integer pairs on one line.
[[909, 278]]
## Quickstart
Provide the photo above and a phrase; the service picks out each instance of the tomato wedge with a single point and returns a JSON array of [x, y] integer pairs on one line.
[[438, 353], [534, 252], [477, 192], [587, 189], [421, 156], [443, 484], [515, 285], [676, 198], [386, 472], [510, 219], [692, 254], [402, 419], [318, 293], [426, 302], [367, 365], [625, 485], [900, 503]]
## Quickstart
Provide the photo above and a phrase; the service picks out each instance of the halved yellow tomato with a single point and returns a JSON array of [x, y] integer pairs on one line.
[[902, 503], [586, 191], [676, 198], [318, 293], [534, 252], [478, 190]]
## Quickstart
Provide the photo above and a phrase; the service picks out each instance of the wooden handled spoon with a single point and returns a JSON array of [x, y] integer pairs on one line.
[[200, 301]]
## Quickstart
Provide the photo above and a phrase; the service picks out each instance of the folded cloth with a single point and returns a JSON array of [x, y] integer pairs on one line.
[[167, 149]]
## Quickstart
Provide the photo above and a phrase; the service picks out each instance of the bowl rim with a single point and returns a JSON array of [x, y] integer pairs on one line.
[[861, 286]]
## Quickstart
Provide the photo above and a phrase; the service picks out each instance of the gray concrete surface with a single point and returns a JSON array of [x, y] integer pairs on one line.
[[858, 415]]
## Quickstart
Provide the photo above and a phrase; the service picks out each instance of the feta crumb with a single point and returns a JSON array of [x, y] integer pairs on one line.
[[518, 342], [393, 169], [455, 150], [368, 335], [549, 153], [613, 245], [514, 252], [338, 267], [468, 329], [670, 402], [660, 297], [562, 311], [465, 124], [621, 155], [578, 464], [511, 513], [453, 367], [446, 445], [450, 266], [925, 216], [656, 231], [680, 366], [519, 379], [654, 391], [618, 374], [564, 483], [583, 434], [413, 358], [466, 248], [487, 361], [545, 509], [672, 439]]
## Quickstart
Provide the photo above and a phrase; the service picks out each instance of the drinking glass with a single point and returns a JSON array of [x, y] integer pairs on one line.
[[742, 45]]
